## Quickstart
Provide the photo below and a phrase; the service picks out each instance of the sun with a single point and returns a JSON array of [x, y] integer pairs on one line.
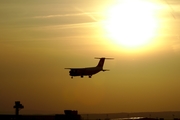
[[131, 23]]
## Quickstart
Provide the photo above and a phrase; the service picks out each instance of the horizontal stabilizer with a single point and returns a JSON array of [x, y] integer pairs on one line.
[[103, 58]]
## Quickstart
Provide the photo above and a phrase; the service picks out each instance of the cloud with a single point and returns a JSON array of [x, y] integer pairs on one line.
[[72, 20], [68, 26], [69, 15]]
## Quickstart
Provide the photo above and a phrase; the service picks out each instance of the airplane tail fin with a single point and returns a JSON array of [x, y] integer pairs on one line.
[[101, 62]]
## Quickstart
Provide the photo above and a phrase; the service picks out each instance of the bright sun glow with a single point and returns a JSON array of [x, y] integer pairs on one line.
[[131, 23]]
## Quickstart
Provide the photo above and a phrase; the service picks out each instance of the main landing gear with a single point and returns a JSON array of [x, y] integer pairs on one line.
[[82, 76]]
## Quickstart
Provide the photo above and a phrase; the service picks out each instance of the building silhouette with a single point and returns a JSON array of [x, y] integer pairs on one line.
[[68, 115]]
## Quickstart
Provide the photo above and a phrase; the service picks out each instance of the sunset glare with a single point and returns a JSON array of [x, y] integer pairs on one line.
[[131, 23]]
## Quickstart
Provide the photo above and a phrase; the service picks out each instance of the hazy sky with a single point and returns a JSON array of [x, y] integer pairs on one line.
[[39, 38]]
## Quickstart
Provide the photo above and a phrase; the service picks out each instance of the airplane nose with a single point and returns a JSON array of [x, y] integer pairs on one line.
[[71, 72]]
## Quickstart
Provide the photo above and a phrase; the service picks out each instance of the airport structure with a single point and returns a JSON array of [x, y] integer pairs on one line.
[[68, 115], [72, 115]]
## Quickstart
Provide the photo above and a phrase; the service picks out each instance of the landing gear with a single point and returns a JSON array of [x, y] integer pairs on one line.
[[71, 77], [90, 76], [82, 76]]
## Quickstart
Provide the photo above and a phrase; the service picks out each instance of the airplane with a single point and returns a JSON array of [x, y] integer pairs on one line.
[[88, 71]]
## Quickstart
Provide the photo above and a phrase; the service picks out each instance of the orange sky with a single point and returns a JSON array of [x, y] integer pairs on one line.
[[40, 38]]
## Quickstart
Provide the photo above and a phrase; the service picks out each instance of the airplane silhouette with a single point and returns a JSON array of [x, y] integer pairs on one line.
[[88, 71]]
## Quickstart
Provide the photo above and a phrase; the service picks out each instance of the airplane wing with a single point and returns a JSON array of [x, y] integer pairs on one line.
[[68, 68]]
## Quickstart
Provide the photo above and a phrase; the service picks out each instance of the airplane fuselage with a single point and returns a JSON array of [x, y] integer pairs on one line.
[[84, 71]]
